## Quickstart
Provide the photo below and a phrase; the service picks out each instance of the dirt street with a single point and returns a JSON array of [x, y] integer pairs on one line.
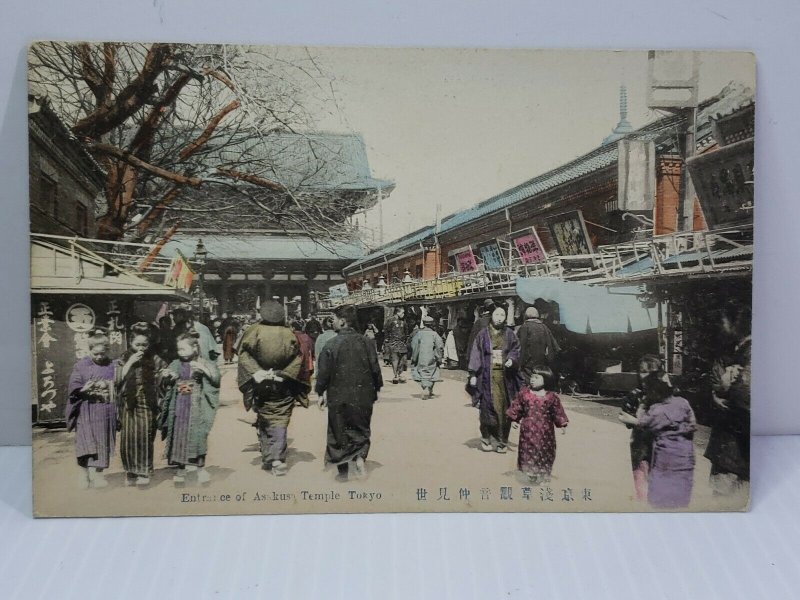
[[425, 456]]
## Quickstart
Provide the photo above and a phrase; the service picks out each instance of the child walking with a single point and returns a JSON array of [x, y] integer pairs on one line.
[[91, 411], [189, 409], [538, 412]]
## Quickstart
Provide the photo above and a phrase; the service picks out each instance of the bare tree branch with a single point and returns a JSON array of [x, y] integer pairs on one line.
[[131, 99], [132, 160], [196, 144]]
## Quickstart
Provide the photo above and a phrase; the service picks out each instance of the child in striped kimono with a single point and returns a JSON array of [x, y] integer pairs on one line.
[[140, 372]]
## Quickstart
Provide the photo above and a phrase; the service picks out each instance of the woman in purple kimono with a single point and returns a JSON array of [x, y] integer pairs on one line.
[[91, 411], [671, 422], [494, 379]]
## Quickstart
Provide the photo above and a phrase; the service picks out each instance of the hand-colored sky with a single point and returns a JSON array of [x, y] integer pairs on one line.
[[457, 126]]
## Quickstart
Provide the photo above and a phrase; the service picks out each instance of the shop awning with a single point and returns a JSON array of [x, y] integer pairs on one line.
[[56, 269], [585, 308]]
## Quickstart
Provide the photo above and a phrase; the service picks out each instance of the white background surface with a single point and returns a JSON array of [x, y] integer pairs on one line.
[[407, 556], [739, 556]]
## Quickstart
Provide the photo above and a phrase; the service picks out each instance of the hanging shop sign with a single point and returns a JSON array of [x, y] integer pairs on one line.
[[491, 255], [464, 260], [528, 246], [724, 183], [338, 291], [570, 234]]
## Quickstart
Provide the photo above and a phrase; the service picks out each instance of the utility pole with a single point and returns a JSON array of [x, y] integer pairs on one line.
[[686, 202], [380, 217], [672, 81]]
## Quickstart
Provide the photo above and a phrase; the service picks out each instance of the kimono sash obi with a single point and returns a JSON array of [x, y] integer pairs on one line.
[[101, 393], [185, 386], [497, 358]]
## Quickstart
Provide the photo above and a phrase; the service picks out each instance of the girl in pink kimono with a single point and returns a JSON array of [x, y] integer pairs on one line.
[[538, 412]]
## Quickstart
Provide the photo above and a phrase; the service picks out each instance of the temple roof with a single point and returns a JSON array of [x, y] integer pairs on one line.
[[260, 247]]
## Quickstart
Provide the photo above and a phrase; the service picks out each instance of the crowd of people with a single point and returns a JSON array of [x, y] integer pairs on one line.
[[168, 382]]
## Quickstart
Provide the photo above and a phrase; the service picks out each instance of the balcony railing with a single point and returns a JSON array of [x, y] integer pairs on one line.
[[677, 254]]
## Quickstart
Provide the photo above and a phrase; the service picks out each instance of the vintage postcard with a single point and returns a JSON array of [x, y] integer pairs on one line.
[[343, 280]]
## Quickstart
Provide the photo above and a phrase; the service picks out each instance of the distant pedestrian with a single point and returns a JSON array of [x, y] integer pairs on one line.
[[349, 377], [539, 412], [671, 421], [461, 338], [91, 411], [189, 410], [372, 332], [450, 351], [396, 343], [228, 333], [328, 333], [536, 342], [306, 361], [427, 352], [313, 328]]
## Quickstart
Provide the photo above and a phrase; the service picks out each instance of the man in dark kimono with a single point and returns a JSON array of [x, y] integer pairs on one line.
[[270, 364], [350, 376], [494, 380], [537, 344]]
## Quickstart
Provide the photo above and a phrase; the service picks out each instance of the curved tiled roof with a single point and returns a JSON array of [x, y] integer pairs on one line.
[[262, 247], [661, 132]]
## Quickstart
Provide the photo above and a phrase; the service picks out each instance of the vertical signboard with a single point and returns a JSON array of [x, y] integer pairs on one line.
[[61, 329]]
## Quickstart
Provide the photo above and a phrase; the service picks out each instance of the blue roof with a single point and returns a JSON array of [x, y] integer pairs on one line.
[[589, 163], [659, 131], [248, 246], [315, 160], [392, 247]]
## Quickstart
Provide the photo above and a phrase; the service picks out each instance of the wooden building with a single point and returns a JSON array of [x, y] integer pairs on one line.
[[65, 181], [626, 189]]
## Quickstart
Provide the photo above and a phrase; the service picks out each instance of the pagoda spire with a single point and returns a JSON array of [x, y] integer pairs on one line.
[[623, 126]]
